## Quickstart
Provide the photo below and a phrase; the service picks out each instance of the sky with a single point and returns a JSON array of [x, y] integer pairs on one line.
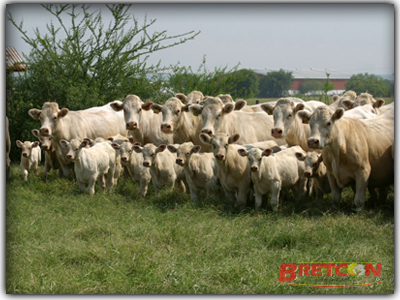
[[351, 38]]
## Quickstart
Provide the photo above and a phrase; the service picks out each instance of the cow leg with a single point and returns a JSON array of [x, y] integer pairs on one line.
[[229, 196], [90, 188], [361, 189], [275, 190], [101, 182], [265, 198], [65, 170], [242, 198], [194, 193], [180, 186], [336, 191], [47, 168], [24, 173], [259, 201], [143, 185], [110, 182], [81, 186]]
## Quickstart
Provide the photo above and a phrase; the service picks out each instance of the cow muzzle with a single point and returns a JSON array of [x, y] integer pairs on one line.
[[313, 143], [307, 174], [131, 125], [207, 131], [254, 169], [25, 154], [166, 128], [179, 161], [219, 156], [276, 132], [146, 164], [44, 131], [124, 158]]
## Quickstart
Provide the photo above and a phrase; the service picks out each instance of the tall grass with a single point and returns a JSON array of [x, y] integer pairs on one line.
[[60, 241]]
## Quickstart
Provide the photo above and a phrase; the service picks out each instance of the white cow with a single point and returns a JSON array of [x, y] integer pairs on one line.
[[50, 156], [200, 168], [233, 169], [195, 97], [315, 169], [163, 169], [141, 122], [30, 157], [271, 172], [222, 118], [354, 151], [91, 164], [176, 120], [64, 124]]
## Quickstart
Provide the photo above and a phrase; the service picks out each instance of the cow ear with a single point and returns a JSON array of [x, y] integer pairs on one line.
[[35, 144], [181, 97], [35, 132], [276, 149], [229, 107], [90, 142], [115, 146], [35, 113], [267, 152], [379, 103], [63, 112], [131, 139], [19, 143], [137, 148], [243, 152], [348, 103], [172, 148], [298, 107], [268, 108], [320, 159], [234, 138], [111, 139], [240, 104], [304, 116], [334, 98], [337, 114], [195, 149], [64, 143], [84, 143], [147, 105], [117, 106], [185, 107], [205, 138], [137, 144], [300, 156], [161, 148], [156, 108], [196, 109]]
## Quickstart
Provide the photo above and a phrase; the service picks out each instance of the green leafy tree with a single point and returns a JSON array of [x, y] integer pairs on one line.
[[311, 86], [246, 84], [275, 84], [80, 62], [327, 86], [375, 85]]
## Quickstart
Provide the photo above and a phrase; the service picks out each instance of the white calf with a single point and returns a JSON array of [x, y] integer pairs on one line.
[[30, 157]]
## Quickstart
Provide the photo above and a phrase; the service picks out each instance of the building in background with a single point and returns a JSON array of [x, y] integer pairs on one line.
[[339, 79]]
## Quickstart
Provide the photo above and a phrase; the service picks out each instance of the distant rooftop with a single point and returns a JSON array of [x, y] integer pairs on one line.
[[14, 60], [308, 73]]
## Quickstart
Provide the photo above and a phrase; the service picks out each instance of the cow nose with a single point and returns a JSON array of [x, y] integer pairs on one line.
[[45, 147], [254, 169], [179, 161], [307, 174], [276, 132], [219, 156], [146, 164], [207, 131], [165, 127], [69, 156], [131, 125], [313, 143], [44, 131], [25, 154], [124, 158]]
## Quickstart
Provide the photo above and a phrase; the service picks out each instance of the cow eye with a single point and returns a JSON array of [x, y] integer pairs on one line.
[[178, 111], [226, 145], [152, 155], [124, 110], [260, 158], [76, 149], [54, 118], [218, 116], [328, 124], [130, 151], [289, 115], [187, 153], [139, 110]]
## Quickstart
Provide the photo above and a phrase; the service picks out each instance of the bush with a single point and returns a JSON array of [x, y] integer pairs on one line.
[[375, 85], [275, 84]]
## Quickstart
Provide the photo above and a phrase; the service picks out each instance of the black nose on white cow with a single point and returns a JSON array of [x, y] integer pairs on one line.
[[131, 125], [254, 168], [25, 154], [307, 174], [207, 131], [146, 164], [44, 131], [313, 143], [165, 127], [219, 156], [179, 161]]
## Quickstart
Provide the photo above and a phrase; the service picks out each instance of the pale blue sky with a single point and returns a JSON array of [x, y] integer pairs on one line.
[[350, 38]]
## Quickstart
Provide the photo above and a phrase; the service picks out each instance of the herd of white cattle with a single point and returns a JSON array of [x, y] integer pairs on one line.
[[198, 143]]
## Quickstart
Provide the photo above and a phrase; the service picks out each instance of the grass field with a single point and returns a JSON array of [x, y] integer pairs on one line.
[[62, 242]]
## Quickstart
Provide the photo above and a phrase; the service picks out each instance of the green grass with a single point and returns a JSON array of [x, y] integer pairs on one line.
[[62, 242]]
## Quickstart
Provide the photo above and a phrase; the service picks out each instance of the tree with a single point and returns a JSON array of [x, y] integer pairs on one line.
[[327, 86], [309, 86], [80, 62], [246, 85], [83, 62], [275, 84], [375, 85]]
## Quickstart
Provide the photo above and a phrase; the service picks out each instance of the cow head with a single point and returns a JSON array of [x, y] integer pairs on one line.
[[125, 150], [183, 152], [220, 143], [149, 152], [321, 121], [312, 161], [255, 156], [49, 117], [44, 140], [73, 147], [172, 112], [133, 108], [284, 113], [213, 113], [26, 147]]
